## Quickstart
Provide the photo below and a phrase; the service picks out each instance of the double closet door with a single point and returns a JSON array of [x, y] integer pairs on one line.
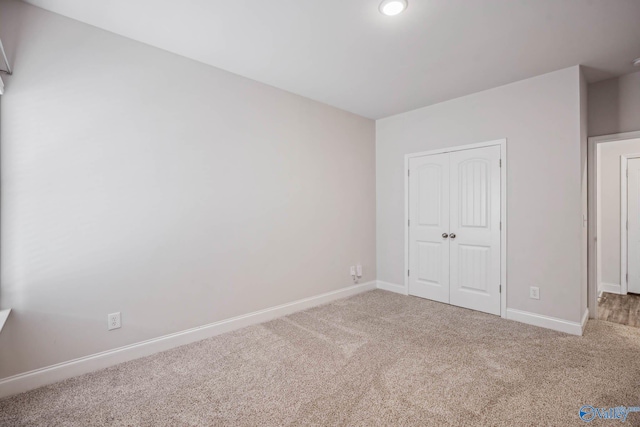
[[454, 228]]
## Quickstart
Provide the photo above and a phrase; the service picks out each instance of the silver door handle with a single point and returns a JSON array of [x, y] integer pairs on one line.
[[452, 235], [445, 235]]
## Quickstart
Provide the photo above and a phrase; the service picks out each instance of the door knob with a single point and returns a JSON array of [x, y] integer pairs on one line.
[[445, 235], [452, 235]]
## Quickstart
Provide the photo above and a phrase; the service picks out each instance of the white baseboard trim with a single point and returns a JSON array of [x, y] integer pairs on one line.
[[4, 315], [534, 319], [51, 374], [585, 319], [561, 325], [391, 287], [613, 288]]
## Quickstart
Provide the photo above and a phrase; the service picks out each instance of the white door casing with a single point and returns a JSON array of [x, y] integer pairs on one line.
[[475, 223], [456, 194], [633, 231], [429, 219], [593, 242]]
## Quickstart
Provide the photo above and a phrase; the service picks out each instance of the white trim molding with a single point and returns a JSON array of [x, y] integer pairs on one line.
[[392, 287], [585, 319], [51, 374], [561, 325], [612, 288], [503, 210], [624, 231], [4, 315]]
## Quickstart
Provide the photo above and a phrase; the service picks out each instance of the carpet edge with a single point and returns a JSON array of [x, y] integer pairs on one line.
[[36, 378]]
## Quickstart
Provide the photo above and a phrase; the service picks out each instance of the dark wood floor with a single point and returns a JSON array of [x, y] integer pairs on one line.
[[624, 309]]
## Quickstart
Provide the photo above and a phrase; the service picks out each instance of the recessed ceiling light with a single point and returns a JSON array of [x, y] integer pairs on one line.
[[392, 7], [636, 62]]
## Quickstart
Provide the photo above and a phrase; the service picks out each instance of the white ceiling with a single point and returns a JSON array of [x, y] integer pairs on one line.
[[346, 54]]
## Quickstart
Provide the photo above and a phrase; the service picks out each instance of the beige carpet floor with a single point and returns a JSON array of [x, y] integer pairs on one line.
[[374, 359]]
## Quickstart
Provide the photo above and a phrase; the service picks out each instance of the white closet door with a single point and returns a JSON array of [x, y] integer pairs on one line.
[[429, 220], [475, 229], [633, 232]]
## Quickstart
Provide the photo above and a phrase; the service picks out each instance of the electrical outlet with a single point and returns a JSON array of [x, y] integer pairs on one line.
[[534, 292], [352, 270], [113, 321], [359, 270]]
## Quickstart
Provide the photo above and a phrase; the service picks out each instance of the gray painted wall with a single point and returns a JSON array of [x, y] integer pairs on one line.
[[134, 180], [540, 117], [614, 105]]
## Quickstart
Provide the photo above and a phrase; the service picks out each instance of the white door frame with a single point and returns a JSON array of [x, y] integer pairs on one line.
[[624, 166], [503, 211], [592, 178]]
